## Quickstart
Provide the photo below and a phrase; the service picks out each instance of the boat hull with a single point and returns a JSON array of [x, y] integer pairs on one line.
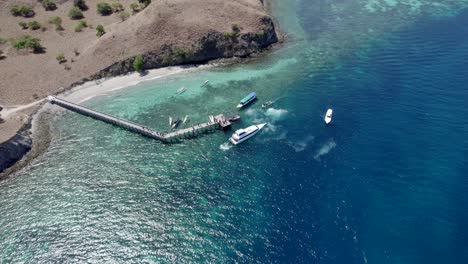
[[236, 142]]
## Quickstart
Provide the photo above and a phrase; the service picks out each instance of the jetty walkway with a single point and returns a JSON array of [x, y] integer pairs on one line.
[[215, 123]]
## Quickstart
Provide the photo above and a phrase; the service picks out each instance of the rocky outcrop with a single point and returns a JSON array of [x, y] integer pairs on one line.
[[213, 45], [14, 149]]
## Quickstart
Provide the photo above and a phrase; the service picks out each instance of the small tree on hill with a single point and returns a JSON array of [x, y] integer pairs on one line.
[[100, 30], [117, 7], [144, 3], [23, 25], [34, 25], [124, 15], [28, 42], [104, 8], [61, 58], [75, 13], [135, 8], [49, 5], [81, 4], [23, 10], [57, 21], [138, 63]]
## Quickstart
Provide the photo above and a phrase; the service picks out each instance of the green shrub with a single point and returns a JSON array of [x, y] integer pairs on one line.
[[23, 25], [82, 24], [57, 21], [123, 15], [144, 3], [135, 7], [261, 33], [235, 28], [104, 8], [28, 42], [181, 53], [100, 30], [61, 58], [138, 63], [117, 7], [23, 10], [81, 4], [75, 13], [34, 25], [49, 5]]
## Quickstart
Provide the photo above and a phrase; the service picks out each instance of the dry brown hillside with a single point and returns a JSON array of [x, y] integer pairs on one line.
[[167, 32]]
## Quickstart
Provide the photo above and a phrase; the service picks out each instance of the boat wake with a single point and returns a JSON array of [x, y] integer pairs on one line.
[[325, 149], [301, 145], [225, 146]]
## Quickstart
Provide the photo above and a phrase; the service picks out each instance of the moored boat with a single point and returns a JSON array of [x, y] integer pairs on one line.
[[328, 116], [247, 100], [170, 121], [185, 119], [242, 135], [181, 90], [176, 123], [205, 83]]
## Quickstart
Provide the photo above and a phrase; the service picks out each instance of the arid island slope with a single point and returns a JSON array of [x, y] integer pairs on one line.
[[163, 32]]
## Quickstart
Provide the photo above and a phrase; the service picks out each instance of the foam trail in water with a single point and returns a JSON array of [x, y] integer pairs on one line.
[[301, 145], [225, 146], [327, 147]]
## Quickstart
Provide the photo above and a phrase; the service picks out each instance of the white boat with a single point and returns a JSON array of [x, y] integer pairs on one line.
[[328, 116], [185, 119], [181, 90], [205, 83], [242, 135], [176, 123], [170, 121]]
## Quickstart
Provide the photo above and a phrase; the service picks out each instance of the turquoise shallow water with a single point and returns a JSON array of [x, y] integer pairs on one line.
[[385, 183]]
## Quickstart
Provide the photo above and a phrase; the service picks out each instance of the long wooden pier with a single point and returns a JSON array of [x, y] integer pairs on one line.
[[216, 122]]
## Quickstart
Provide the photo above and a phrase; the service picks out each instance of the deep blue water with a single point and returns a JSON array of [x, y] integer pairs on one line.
[[384, 183]]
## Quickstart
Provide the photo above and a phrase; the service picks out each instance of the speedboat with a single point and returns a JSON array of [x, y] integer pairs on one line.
[[185, 120], [242, 135], [247, 100], [181, 90], [267, 103], [328, 116], [170, 121]]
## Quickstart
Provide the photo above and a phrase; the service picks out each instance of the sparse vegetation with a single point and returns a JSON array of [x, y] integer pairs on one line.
[[181, 53], [60, 58], [144, 3], [82, 24], [117, 7], [34, 25], [81, 4], [261, 33], [49, 5], [123, 15], [104, 8], [3, 41], [135, 8], [77, 53], [28, 42], [230, 34], [138, 63], [100, 30], [75, 13], [57, 21], [23, 25], [23, 10], [2, 56], [235, 28]]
